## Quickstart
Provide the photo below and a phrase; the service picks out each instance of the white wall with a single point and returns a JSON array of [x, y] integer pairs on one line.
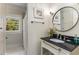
[[36, 30], [25, 32]]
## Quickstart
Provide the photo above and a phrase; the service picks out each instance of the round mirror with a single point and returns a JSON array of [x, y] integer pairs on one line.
[[65, 18]]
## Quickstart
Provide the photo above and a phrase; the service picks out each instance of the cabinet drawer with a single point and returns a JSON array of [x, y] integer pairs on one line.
[[64, 52], [52, 48]]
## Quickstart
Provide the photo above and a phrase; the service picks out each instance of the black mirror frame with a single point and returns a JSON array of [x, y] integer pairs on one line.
[[73, 25]]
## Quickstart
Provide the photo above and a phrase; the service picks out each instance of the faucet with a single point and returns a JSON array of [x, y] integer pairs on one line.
[[59, 36]]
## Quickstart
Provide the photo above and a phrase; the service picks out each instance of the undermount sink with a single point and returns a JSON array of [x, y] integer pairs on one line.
[[57, 40]]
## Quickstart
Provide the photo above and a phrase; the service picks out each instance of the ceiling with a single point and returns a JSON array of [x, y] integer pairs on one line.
[[20, 4]]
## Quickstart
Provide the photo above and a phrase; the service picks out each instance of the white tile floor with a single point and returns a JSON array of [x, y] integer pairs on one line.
[[15, 51]]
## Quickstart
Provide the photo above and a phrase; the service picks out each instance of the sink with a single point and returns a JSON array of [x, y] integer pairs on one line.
[[57, 40]]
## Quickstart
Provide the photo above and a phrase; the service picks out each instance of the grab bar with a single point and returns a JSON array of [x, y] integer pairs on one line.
[[37, 22]]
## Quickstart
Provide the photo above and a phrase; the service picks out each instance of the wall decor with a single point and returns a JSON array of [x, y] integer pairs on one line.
[[65, 16], [38, 13]]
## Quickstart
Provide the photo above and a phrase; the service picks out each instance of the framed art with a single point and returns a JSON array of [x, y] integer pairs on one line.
[[38, 13]]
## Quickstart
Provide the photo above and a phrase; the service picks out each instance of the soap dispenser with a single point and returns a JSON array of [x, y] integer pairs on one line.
[[75, 39], [64, 38], [59, 36]]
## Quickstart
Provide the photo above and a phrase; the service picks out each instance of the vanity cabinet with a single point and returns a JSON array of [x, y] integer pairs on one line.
[[53, 48]]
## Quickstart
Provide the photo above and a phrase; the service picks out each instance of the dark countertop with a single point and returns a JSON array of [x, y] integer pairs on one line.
[[66, 46]]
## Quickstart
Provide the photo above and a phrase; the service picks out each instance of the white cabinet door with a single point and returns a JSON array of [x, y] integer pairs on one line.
[[64, 52], [52, 48], [2, 36]]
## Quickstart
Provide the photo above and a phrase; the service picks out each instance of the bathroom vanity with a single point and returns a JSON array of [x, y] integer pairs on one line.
[[49, 47], [63, 21]]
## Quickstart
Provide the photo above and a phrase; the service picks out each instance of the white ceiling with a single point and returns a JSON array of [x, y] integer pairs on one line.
[[23, 5]]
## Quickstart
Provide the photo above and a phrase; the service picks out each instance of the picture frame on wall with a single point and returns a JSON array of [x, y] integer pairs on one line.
[[57, 19], [38, 13]]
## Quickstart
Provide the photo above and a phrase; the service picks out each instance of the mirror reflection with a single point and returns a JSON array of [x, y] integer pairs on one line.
[[65, 18]]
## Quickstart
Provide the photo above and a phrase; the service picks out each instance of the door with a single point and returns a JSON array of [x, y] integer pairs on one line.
[[2, 34], [14, 42]]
